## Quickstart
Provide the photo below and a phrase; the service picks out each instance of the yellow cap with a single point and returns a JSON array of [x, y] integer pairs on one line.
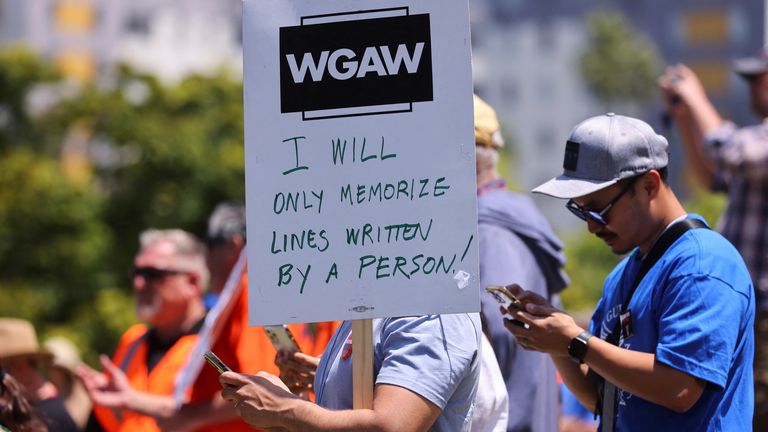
[[487, 128]]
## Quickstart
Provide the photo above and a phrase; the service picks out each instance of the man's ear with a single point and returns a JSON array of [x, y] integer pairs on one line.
[[238, 241], [194, 282], [651, 183]]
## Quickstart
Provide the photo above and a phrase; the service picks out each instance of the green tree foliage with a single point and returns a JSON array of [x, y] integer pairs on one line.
[[178, 151], [619, 66], [589, 262], [150, 155], [20, 71], [51, 239]]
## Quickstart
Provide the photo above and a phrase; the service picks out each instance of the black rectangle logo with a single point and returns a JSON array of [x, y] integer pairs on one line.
[[355, 63], [571, 159]]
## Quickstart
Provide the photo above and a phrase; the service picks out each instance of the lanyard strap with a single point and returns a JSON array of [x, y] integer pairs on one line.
[[606, 390]]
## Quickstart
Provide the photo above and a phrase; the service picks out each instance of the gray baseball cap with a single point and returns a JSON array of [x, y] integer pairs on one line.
[[750, 66], [603, 150]]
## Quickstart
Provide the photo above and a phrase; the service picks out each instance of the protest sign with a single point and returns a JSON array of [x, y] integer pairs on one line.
[[360, 169]]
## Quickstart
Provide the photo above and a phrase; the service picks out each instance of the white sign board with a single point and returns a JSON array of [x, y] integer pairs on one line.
[[360, 164]]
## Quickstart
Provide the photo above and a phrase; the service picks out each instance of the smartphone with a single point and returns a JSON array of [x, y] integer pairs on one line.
[[507, 300], [282, 338], [505, 297], [216, 362]]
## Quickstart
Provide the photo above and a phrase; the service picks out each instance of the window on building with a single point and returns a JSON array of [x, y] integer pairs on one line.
[[714, 74], [76, 64], [510, 91], [546, 141], [546, 37], [75, 16], [137, 24], [238, 33], [706, 27]]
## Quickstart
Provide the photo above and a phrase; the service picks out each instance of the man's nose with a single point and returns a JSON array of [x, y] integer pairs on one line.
[[139, 282], [593, 226]]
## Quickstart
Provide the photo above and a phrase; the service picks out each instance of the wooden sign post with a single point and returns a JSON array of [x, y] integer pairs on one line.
[[362, 364]]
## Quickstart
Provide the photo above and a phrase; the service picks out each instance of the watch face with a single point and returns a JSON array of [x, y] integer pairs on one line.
[[577, 349]]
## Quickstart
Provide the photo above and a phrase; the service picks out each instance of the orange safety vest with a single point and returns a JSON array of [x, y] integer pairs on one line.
[[131, 357]]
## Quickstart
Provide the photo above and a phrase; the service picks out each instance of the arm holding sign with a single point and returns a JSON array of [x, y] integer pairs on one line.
[[263, 401], [426, 370]]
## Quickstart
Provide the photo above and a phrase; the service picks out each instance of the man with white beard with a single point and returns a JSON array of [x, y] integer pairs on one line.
[[169, 278]]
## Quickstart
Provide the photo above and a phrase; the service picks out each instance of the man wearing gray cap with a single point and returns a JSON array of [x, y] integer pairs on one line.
[[734, 161], [673, 340]]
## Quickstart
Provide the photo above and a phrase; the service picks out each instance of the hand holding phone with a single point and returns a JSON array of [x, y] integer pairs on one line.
[[216, 362]]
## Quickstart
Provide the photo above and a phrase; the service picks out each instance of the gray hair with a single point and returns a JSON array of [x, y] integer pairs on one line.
[[227, 221], [486, 159], [189, 250]]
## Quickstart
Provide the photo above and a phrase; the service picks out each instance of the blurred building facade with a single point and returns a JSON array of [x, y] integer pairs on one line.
[[526, 63], [167, 38], [525, 56]]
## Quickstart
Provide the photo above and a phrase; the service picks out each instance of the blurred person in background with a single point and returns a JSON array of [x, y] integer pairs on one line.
[[16, 414], [516, 245], [735, 161], [22, 357], [243, 348], [169, 277], [66, 359], [193, 400]]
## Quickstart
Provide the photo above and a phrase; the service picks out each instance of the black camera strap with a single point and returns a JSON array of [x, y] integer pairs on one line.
[[606, 390]]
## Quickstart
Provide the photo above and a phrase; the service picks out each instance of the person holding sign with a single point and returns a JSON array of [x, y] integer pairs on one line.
[[426, 375], [673, 340], [516, 245]]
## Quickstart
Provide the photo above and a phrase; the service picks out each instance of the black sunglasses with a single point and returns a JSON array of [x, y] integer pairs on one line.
[[154, 273], [598, 216]]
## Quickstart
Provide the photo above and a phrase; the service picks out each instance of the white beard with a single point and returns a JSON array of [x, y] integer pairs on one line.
[[146, 312]]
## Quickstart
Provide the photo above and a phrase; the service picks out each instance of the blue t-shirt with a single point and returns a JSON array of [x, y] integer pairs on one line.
[[694, 310], [434, 356]]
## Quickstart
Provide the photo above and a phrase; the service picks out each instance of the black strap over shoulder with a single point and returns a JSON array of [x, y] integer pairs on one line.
[[657, 251]]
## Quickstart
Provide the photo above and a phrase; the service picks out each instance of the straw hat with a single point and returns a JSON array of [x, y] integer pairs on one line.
[[18, 338], [487, 128]]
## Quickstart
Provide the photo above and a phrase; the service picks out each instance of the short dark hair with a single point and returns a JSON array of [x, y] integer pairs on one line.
[[663, 173], [227, 221]]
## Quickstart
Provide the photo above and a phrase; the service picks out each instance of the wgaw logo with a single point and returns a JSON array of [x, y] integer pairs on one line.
[[356, 63]]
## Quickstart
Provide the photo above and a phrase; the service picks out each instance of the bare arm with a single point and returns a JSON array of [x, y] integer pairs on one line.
[[639, 373], [112, 389], [575, 378], [263, 401], [694, 115]]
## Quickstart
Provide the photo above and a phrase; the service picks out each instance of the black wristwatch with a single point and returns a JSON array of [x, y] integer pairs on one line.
[[577, 349]]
